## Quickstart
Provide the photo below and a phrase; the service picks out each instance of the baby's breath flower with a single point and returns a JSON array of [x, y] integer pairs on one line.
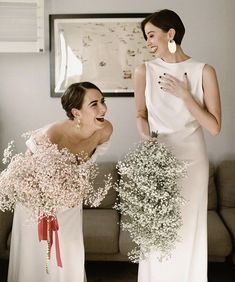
[[150, 199], [27, 135], [8, 152], [50, 180]]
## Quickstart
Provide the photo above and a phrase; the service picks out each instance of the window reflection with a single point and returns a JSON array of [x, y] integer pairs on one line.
[[70, 69]]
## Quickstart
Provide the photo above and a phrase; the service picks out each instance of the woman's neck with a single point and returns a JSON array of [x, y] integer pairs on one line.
[[177, 57], [78, 134]]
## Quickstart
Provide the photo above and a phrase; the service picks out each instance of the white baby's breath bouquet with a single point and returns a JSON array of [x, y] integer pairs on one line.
[[49, 180], [150, 199]]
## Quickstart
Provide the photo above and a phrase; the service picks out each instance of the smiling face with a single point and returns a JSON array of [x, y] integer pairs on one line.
[[157, 39], [93, 110]]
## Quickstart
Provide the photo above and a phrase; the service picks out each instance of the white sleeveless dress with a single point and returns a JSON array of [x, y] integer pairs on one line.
[[28, 256], [182, 134]]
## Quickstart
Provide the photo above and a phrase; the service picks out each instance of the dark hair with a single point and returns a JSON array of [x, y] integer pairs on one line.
[[165, 20], [74, 95]]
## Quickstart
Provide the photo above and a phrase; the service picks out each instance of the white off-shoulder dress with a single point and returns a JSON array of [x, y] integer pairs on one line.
[[183, 135], [28, 256]]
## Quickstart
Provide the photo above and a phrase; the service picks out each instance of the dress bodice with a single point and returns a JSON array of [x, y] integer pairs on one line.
[[167, 113]]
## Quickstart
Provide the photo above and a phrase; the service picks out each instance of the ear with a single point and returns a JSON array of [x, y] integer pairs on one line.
[[171, 33], [75, 112]]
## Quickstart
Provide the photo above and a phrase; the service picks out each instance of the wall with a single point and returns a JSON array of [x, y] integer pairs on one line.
[[25, 101]]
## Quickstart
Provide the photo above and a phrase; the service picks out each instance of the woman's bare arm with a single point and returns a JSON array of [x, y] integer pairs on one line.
[[141, 110]]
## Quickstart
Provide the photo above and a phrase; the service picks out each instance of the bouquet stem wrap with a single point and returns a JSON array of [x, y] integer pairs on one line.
[[46, 227]]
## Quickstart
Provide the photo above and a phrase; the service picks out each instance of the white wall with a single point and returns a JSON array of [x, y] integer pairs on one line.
[[25, 101]]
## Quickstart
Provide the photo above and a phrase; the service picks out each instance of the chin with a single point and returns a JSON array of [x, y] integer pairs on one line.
[[100, 126], [157, 55]]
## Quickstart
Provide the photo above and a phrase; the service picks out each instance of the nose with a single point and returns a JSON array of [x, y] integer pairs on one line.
[[148, 42], [103, 109]]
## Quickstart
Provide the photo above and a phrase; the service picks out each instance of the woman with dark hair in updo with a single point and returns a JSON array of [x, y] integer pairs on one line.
[[85, 131], [177, 97]]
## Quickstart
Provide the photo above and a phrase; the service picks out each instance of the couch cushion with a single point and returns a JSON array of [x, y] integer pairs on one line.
[[228, 215], [226, 183], [101, 231], [212, 196], [219, 240], [104, 169]]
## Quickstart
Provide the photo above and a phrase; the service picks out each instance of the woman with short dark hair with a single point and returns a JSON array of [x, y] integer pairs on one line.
[[177, 97]]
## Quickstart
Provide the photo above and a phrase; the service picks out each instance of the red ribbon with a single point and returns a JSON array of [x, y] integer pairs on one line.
[[43, 235]]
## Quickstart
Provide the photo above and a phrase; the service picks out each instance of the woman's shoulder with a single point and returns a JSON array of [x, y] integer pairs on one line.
[[55, 131], [140, 69], [41, 136], [208, 69], [139, 74], [209, 73]]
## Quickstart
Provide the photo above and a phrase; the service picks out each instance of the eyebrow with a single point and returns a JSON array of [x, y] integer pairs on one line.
[[150, 31]]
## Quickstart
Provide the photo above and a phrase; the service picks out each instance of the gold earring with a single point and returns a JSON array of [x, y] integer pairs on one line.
[[78, 123], [172, 46]]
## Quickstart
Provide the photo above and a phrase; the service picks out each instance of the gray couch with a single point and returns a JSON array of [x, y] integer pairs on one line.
[[104, 240]]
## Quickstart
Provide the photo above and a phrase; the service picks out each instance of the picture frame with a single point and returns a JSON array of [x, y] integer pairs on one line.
[[101, 48]]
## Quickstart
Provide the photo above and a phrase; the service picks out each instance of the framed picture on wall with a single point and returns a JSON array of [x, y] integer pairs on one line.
[[101, 48]]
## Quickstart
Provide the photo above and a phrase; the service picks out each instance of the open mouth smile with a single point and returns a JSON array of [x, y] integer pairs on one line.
[[153, 49]]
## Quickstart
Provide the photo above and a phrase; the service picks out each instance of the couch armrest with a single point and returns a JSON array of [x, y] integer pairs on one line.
[[219, 240], [228, 215]]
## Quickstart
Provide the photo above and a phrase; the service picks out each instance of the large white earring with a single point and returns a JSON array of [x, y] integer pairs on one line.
[[172, 46]]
